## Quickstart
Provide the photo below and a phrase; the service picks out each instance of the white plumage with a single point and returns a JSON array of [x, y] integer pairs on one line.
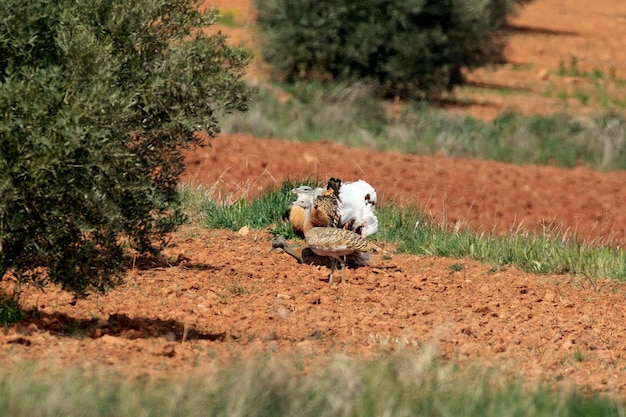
[[358, 205], [355, 205], [349, 205]]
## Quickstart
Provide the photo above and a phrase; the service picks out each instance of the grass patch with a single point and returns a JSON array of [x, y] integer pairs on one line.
[[258, 213], [10, 309], [600, 89], [550, 252], [352, 116], [195, 202], [229, 18], [276, 386]]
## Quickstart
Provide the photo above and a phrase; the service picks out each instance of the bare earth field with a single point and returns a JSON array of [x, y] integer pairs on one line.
[[224, 295]]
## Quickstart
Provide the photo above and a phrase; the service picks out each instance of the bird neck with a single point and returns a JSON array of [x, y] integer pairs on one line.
[[296, 255], [308, 220], [318, 217]]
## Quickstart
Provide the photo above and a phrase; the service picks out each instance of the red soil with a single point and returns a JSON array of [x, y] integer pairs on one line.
[[226, 295]]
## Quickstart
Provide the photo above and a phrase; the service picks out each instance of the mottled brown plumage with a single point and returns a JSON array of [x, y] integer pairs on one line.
[[308, 257], [334, 184], [326, 211], [333, 242], [339, 242], [301, 255]]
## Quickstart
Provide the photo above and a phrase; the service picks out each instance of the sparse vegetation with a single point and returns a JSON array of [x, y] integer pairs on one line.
[[350, 115], [10, 310], [598, 89], [395, 385], [551, 252], [257, 213]]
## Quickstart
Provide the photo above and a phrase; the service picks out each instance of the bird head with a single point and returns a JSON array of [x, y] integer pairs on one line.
[[333, 186], [279, 243], [304, 189]]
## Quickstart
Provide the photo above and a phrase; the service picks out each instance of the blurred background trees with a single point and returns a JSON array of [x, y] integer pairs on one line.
[[407, 48]]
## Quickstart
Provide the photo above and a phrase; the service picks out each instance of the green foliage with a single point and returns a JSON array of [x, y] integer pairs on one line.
[[456, 267], [228, 18], [542, 253], [410, 48], [409, 385], [258, 213], [550, 252], [10, 309], [97, 100], [350, 115]]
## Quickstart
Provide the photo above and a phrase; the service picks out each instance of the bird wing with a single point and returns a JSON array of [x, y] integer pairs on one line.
[[358, 190], [331, 240], [359, 202]]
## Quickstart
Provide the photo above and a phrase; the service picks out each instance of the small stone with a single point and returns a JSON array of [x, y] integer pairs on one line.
[[543, 75]]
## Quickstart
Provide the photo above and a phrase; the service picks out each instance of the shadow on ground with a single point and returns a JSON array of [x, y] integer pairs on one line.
[[119, 325]]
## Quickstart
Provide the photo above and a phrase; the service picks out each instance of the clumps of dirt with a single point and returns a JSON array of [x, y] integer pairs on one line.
[[234, 298]]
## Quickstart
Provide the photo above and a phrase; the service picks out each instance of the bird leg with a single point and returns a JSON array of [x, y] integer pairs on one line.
[[332, 269], [342, 261]]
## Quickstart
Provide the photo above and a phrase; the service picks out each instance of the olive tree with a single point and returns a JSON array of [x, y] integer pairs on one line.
[[98, 99], [409, 48]]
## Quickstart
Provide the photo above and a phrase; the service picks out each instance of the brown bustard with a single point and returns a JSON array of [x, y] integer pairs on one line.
[[335, 243], [295, 214], [301, 255], [348, 205], [326, 209], [308, 257]]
